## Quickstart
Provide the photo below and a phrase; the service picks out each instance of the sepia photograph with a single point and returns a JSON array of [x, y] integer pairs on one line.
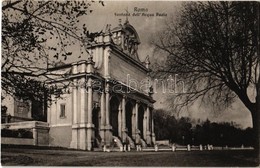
[[130, 83]]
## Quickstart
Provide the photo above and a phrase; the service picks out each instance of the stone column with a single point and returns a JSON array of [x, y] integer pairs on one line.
[[108, 126], [120, 119], [83, 106], [107, 105], [137, 131], [133, 122], [136, 115], [74, 136], [148, 129], [51, 110], [75, 102], [83, 114], [144, 125], [124, 129], [35, 136], [90, 125], [153, 134], [107, 62]]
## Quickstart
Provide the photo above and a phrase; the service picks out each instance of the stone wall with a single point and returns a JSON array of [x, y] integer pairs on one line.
[[8, 101], [60, 136], [54, 112], [16, 141], [40, 133], [126, 72]]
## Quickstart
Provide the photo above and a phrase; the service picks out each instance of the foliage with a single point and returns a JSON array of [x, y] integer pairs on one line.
[[214, 47], [34, 34], [20, 133], [183, 131]]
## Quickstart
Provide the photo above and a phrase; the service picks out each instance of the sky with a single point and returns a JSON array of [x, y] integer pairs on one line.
[[147, 27]]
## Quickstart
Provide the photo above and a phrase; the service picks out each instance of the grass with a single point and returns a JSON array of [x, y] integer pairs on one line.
[[33, 156]]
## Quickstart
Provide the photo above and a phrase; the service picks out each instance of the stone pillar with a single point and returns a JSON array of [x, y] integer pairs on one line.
[[107, 105], [124, 129], [74, 136], [133, 122], [144, 125], [153, 134], [136, 114], [90, 125], [106, 62], [35, 136], [120, 119], [75, 102], [103, 117], [137, 131], [148, 129], [49, 111], [83, 115], [108, 126]]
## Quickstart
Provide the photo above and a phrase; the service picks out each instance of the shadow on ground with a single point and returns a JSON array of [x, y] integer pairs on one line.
[[33, 156]]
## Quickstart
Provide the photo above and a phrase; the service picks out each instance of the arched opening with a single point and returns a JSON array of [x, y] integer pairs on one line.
[[96, 122], [114, 104], [129, 111], [95, 119], [140, 120]]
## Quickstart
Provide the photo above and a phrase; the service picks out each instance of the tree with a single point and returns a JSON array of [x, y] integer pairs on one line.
[[34, 33], [214, 47]]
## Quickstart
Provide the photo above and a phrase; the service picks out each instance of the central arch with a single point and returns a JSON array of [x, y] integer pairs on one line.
[[140, 120], [114, 105], [129, 112], [96, 122]]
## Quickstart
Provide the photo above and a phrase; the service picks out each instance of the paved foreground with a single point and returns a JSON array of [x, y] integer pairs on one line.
[[11, 156]]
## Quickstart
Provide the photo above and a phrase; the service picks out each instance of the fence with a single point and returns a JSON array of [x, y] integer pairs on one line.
[[194, 148]]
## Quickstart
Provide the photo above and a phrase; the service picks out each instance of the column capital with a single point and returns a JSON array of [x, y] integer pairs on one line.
[[82, 83], [125, 129], [107, 90], [89, 83], [74, 68], [108, 127], [89, 86], [149, 105], [109, 51], [90, 125]]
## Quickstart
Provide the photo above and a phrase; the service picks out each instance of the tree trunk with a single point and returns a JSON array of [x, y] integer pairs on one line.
[[256, 125], [257, 122]]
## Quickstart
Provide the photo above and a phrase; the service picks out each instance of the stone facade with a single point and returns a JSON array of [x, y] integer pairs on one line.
[[105, 98]]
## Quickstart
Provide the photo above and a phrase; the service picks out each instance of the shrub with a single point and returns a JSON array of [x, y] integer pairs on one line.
[[20, 133]]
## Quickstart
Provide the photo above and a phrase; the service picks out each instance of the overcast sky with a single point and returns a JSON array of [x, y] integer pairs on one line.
[[147, 27]]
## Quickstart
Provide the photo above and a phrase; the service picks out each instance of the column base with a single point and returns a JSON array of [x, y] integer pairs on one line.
[[124, 134], [74, 137], [82, 137], [153, 138], [108, 135], [148, 138], [137, 137], [90, 139], [82, 131], [102, 134]]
